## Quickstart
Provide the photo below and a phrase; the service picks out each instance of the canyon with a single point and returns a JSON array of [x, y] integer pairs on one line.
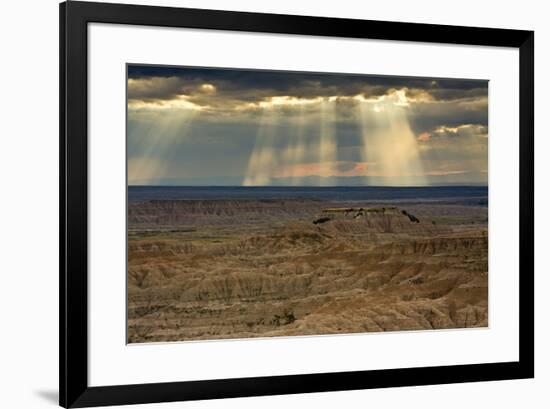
[[241, 268]]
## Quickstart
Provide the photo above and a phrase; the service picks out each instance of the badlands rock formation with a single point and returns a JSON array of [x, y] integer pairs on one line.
[[211, 269]]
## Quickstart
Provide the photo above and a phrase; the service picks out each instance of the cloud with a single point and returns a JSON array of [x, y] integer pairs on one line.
[[240, 89], [205, 124], [460, 131], [466, 130]]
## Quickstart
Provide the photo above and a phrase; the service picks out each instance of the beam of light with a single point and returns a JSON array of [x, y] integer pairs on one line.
[[297, 148], [327, 142], [160, 133], [262, 161], [389, 143]]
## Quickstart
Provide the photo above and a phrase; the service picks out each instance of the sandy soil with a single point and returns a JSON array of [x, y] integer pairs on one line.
[[260, 268]]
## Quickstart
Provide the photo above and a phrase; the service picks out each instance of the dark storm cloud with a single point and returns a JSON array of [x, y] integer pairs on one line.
[[233, 86], [282, 79], [203, 125], [426, 117]]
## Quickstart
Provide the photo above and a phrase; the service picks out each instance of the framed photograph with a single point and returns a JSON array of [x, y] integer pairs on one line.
[[256, 204]]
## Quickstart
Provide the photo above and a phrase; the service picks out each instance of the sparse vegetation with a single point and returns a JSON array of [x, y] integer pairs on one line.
[[322, 220], [286, 318]]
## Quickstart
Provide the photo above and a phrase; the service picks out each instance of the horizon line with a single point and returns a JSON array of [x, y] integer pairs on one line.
[[316, 186]]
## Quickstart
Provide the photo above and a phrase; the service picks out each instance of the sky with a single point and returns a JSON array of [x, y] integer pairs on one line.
[[210, 126]]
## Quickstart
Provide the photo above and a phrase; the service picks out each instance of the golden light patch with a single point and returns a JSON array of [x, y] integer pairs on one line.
[[181, 102], [208, 88], [424, 137], [289, 101]]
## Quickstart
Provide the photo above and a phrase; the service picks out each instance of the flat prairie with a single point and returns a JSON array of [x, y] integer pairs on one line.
[[241, 268]]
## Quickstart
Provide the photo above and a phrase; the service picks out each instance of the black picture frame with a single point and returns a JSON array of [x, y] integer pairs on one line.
[[73, 349]]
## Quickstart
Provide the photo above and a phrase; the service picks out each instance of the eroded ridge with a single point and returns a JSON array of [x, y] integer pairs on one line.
[[211, 269]]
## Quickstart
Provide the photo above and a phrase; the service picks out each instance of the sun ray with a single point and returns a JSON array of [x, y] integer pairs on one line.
[[160, 134], [298, 147], [389, 144], [327, 142], [262, 160]]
